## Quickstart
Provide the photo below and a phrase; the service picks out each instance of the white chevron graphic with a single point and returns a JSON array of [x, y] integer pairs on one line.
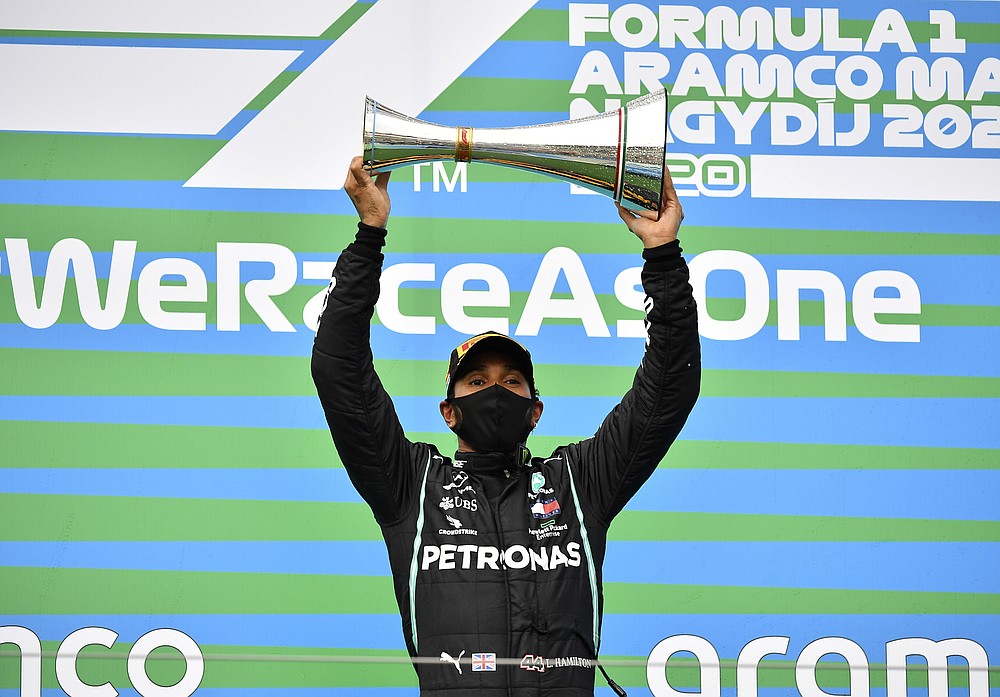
[[400, 52]]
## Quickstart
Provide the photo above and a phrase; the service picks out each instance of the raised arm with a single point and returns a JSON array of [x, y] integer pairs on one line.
[[620, 457], [377, 456]]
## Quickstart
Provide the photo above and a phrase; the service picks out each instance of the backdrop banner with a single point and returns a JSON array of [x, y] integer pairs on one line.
[[174, 518]]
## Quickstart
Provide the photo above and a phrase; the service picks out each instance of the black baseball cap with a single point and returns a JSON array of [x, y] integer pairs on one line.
[[482, 342]]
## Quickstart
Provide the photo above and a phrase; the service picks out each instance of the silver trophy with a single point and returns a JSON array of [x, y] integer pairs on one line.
[[620, 154]]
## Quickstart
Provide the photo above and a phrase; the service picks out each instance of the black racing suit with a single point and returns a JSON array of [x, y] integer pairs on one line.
[[494, 559]]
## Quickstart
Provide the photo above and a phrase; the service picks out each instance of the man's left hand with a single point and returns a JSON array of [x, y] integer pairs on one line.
[[655, 230]]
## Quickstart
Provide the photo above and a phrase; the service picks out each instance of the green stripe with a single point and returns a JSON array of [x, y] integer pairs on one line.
[[172, 231], [49, 156], [808, 456], [42, 371], [107, 373], [344, 22], [47, 444], [269, 93], [88, 591], [32, 591], [36, 517], [55, 517], [60, 444]]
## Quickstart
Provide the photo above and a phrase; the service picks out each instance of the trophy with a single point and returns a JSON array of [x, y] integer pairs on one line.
[[620, 154]]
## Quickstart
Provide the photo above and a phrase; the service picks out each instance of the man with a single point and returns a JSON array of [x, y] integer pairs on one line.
[[496, 556]]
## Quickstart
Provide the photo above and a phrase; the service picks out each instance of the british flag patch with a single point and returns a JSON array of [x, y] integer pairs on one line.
[[484, 661]]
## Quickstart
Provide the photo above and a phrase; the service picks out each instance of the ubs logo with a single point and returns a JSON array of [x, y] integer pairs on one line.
[[450, 502]]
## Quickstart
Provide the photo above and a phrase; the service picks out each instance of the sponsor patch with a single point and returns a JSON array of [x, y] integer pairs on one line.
[[545, 509], [450, 502], [456, 528], [537, 482], [541, 663], [457, 662], [548, 529], [448, 557], [484, 662]]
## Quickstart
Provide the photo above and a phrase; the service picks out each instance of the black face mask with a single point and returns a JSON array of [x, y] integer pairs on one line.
[[494, 419]]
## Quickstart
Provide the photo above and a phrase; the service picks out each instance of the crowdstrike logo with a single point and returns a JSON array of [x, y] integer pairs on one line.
[[456, 528]]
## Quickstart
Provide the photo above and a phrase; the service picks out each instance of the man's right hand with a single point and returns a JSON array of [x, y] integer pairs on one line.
[[370, 196]]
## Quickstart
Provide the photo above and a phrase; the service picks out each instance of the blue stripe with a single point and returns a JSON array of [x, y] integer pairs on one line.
[[623, 635], [548, 201], [940, 567], [928, 494], [944, 494], [962, 567], [955, 280], [350, 558], [362, 631], [328, 485], [250, 340], [968, 351], [948, 351], [925, 422], [946, 423]]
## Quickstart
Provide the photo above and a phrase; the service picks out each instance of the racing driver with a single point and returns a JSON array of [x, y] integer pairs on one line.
[[496, 555]]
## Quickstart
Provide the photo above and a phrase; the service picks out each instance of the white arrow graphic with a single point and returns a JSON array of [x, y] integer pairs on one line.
[[400, 52]]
